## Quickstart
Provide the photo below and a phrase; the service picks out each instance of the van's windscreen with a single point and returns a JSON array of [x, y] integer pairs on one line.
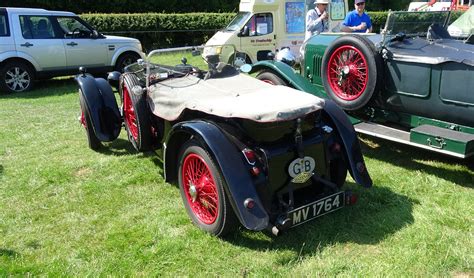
[[238, 22]]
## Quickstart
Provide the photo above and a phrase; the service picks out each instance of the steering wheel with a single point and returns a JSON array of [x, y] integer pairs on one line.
[[77, 31]]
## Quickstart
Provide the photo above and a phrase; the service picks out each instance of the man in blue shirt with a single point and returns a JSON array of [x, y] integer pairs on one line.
[[357, 21]]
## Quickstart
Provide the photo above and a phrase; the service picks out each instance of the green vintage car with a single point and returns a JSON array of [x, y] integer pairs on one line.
[[412, 83]]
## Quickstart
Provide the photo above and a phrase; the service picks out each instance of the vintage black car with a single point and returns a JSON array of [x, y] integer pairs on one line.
[[242, 151], [412, 83]]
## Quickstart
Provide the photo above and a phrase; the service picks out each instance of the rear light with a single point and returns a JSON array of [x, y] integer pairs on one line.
[[255, 171], [249, 156], [249, 203], [351, 199]]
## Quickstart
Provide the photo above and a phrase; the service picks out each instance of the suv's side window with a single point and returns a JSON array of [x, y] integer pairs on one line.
[[4, 30], [73, 28], [260, 24], [37, 27]]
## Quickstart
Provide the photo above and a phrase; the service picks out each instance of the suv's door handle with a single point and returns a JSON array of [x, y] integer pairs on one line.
[[71, 44], [27, 44]]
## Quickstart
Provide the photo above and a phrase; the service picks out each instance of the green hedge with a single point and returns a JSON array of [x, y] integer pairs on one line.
[[157, 30], [158, 22], [128, 6]]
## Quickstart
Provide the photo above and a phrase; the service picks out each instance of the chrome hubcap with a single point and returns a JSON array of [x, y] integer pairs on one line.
[[193, 192], [17, 79]]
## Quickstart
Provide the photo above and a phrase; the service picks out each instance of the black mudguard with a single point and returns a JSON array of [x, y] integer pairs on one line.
[[238, 181], [102, 106], [349, 138]]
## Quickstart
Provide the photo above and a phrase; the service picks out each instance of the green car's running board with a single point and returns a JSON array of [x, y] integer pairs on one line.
[[433, 138]]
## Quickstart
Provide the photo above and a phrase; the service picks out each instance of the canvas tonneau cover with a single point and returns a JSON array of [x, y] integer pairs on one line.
[[419, 50], [239, 96]]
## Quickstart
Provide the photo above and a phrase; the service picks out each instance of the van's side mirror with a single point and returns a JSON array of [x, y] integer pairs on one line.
[[244, 32]]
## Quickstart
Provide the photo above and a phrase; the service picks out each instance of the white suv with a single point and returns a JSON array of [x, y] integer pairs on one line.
[[40, 44]]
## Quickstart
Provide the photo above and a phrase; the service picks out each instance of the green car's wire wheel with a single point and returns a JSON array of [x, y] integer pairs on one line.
[[202, 190], [136, 115], [348, 72], [351, 70]]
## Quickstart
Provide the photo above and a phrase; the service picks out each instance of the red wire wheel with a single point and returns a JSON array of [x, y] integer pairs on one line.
[[271, 78], [351, 70], [202, 190], [136, 114], [86, 122], [347, 72], [129, 114]]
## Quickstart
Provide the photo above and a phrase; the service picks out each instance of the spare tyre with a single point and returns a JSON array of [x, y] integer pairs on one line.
[[351, 71]]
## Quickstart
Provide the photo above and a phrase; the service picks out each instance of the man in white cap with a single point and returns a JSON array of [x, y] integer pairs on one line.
[[317, 19]]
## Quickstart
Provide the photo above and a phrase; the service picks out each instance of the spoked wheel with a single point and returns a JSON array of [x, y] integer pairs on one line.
[[351, 71], [271, 78], [16, 77], [136, 115], [86, 122], [202, 189]]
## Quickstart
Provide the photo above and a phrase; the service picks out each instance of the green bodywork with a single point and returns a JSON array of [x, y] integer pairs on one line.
[[413, 95]]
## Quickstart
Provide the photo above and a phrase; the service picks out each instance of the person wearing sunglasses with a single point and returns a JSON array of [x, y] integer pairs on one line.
[[317, 19], [357, 21]]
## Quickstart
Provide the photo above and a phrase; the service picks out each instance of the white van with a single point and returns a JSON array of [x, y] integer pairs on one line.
[[264, 26]]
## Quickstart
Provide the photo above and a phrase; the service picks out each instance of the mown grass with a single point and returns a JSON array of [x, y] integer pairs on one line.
[[68, 211]]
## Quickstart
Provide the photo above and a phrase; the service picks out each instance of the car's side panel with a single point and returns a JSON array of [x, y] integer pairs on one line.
[[238, 182], [411, 79], [102, 106], [456, 84], [46, 49], [13, 54]]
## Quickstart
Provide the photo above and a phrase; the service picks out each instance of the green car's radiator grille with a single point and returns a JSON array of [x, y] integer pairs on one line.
[[317, 63]]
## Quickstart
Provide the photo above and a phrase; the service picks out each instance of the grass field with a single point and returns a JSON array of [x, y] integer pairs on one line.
[[68, 211]]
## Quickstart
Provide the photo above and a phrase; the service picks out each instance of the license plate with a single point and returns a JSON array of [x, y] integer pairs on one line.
[[318, 208]]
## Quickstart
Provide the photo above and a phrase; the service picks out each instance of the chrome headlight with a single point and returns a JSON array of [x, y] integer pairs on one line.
[[285, 56]]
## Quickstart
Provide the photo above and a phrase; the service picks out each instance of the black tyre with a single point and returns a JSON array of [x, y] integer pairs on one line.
[[351, 71], [271, 78], [126, 59], [202, 189], [239, 59], [94, 142], [136, 114], [16, 76]]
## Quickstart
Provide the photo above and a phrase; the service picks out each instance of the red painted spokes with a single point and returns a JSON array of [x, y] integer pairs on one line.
[[200, 188], [129, 113], [347, 72], [83, 119]]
